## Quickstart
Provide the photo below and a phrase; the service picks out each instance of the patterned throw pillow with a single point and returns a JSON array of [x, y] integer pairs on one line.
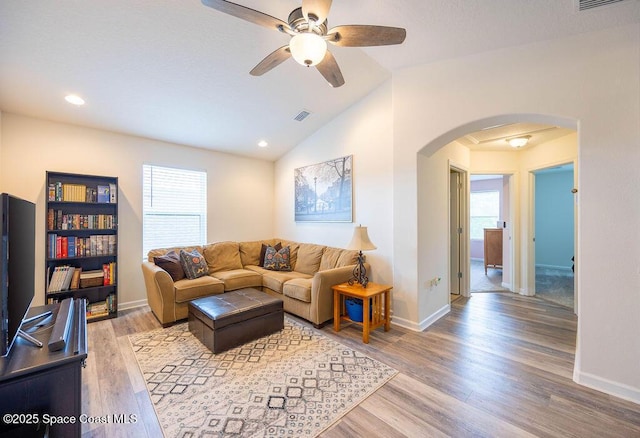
[[170, 262], [263, 251], [277, 260], [194, 264]]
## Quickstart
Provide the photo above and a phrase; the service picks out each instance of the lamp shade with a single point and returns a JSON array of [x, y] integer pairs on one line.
[[308, 48], [360, 240]]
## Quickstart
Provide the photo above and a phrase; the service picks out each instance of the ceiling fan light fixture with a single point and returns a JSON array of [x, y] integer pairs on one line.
[[518, 142], [308, 48], [74, 99]]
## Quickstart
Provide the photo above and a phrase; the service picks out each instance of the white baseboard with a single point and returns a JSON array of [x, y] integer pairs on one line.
[[607, 386], [411, 325], [506, 285], [559, 268], [132, 304]]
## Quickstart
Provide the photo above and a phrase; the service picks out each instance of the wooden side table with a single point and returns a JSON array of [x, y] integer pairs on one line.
[[376, 306]]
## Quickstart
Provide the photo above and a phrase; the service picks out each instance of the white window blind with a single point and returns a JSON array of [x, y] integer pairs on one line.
[[174, 208], [485, 211]]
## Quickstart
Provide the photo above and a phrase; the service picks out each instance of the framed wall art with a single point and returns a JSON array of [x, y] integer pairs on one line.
[[323, 191]]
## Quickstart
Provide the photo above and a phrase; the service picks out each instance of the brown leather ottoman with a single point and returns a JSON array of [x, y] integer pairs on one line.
[[234, 318]]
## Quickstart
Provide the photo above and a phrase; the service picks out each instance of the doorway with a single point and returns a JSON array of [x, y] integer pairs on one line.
[[489, 219], [458, 251], [554, 234]]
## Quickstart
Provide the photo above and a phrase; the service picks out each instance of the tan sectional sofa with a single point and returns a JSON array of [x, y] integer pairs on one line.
[[305, 290]]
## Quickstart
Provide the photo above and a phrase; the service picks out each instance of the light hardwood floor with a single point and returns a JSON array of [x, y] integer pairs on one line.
[[497, 365]]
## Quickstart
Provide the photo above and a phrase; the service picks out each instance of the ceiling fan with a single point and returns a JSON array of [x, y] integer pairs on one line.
[[307, 27]]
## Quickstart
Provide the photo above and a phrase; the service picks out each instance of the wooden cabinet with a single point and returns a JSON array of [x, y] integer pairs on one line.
[[492, 248], [82, 237]]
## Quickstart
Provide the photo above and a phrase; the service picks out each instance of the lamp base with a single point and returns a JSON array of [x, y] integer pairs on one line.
[[359, 273]]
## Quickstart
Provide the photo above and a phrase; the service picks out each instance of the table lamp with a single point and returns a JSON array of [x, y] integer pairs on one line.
[[360, 242]]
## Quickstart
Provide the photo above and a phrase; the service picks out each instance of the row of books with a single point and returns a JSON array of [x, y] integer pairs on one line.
[[62, 247], [67, 277], [64, 278], [109, 273], [68, 192], [102, 308], [57, 220]]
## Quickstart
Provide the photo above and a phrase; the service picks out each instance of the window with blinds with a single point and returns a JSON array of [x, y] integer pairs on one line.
[[485, 211], [174, 208]]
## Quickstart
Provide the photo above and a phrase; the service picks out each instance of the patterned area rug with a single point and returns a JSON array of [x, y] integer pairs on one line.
[[293, 383]]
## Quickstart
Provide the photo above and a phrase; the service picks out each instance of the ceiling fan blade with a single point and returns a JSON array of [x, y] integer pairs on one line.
[[246, 14], [319, 8], [272, 60], [328, 68], [356, 35]]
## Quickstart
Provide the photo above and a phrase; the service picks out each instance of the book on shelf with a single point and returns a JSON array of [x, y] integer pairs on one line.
[[109, 273], [113, 196], [103, 194], [75, 280], [91, 194]]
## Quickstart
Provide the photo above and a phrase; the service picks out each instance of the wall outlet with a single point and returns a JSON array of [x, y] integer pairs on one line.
[[435, 281]]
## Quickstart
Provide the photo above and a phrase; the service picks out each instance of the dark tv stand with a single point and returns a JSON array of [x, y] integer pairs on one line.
[[40, 384]]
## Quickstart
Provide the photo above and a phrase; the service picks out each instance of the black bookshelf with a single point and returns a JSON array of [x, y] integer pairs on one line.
[[81, 222]]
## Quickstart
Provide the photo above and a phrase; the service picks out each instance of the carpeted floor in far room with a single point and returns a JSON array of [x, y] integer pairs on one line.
[[555, 285]]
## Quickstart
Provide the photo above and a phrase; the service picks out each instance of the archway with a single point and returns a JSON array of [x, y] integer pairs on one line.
[[433, 164]]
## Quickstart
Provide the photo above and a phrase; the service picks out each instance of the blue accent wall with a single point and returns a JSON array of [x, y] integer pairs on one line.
[[554, 218]]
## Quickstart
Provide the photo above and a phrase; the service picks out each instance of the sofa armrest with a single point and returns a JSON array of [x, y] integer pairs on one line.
[[322, 292], [161, 294]]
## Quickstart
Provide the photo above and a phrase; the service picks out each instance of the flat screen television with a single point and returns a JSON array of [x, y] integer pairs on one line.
[[17, 265]]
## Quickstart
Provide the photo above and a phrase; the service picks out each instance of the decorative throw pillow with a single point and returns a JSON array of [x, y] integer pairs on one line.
[[194, 264], [263, 251], [170, 262], [277, 260]]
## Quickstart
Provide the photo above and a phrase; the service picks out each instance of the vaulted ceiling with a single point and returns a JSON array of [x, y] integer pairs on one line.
[[178, 71]]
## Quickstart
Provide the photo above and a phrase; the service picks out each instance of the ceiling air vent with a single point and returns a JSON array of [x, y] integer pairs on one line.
[[584, 5], [302, 115]]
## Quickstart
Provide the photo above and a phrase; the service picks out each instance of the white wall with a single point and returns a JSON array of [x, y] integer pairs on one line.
[[239, 192], [591, 81], [365, 132]]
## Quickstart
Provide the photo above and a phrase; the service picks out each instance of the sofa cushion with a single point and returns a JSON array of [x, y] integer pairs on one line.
[[259, 269], [170, 262], [309, 256], [298, 288], [238, 279], [250, 251], [275, 280], [162, 251], [223, 256], [187, 290], [277, 260], [193, 264], [347, 258], [330, 258]]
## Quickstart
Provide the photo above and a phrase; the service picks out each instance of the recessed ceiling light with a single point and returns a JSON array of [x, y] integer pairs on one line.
[[263, 144], [74, 99]]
